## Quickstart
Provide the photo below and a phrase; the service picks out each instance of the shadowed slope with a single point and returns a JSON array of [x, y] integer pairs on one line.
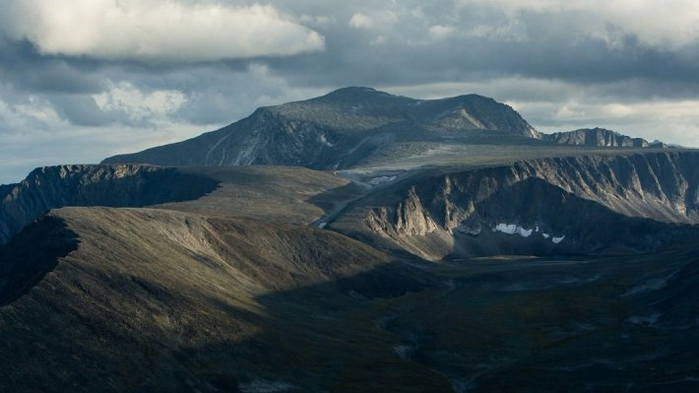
[[147, 291], [94, 185], [34, 252], [154, 300]]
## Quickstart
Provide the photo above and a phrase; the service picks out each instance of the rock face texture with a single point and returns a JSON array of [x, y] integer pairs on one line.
[[335, 131], [598, 137], [93, 185], [577, 204]]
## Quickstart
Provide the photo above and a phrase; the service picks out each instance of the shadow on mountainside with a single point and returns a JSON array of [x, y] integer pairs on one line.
[[23, 264], [95, 185], [541, 325]]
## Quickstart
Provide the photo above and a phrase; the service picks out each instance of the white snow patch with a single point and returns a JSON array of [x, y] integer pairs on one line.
[[557, 240], [513, 229], [322, 225], [545, 235], [382, 179], [324, 141]]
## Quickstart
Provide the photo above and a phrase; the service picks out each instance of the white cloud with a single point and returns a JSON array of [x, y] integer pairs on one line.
[[439, 32], [361, 21], [667, 24], [379, 19], [150, 30], [666, 120], [130, 105]]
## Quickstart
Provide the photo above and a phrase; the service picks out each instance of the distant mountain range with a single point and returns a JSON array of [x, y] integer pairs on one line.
[[353, 125]]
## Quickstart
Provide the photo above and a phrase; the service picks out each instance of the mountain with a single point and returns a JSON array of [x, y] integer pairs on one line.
[[598, 137], [114, 300], [155, 299], [362, 127], [636, 202], [337, 130], [449, 248]]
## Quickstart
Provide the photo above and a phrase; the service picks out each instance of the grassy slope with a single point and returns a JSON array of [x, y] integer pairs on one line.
[[161, 300], [169, 301], [281, 194]]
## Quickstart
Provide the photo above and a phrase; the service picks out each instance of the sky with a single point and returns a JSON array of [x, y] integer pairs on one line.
[[81, 80]]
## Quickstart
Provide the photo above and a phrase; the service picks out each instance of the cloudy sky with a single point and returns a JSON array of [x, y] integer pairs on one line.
[[81, 80]]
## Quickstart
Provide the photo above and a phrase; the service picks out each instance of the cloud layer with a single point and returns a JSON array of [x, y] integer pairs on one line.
[[149, 30]]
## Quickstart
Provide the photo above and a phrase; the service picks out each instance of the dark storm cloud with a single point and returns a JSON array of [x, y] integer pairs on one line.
[[25, 69], [79, 109]]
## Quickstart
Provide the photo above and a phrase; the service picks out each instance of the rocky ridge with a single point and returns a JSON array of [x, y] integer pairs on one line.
[[89, 185], [568, 203], [599, 137]]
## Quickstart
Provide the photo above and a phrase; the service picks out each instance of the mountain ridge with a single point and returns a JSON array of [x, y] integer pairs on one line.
[[335, 130], [353, 126]]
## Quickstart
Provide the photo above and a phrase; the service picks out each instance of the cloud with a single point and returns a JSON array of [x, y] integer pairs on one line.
[[80, 110], [667, 25], [129, 105], [440, 32], [379, 19], [150, 30]]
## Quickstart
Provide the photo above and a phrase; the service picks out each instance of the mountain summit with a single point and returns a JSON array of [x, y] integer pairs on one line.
[[338, 130]]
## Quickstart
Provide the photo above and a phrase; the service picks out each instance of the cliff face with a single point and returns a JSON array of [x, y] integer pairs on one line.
[[597, 137], [576, 204], [93, 185]]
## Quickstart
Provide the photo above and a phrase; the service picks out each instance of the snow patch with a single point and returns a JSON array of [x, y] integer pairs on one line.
[[382, 179], [324, 141], [557, 240], [545, 235], [322, 225], [513, 229]]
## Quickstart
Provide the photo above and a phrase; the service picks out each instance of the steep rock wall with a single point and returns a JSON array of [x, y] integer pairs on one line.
[[582, 191], [94, 185]]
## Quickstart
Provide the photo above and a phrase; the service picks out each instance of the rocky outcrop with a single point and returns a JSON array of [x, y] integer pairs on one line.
[[599, 137], [577, 204], [94, 185], [336, 130]]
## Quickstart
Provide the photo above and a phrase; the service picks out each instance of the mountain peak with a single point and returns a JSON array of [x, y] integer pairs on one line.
[[357, 94], [340, 129]]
